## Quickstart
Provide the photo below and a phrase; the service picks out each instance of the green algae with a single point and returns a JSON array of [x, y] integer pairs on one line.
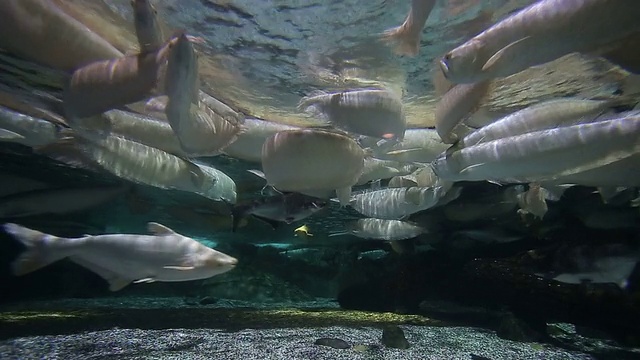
[[49, 322]]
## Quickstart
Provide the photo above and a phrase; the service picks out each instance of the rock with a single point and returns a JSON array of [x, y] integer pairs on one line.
[[393, 337], [513, 328]]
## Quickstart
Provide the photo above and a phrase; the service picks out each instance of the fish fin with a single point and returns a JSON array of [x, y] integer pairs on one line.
[[157, 104], [159, 229], [181, 268], [115, 280], [344, 195], [145, 280], [340, 233], [196, 174], [507, 53], [274, 224], [258, 173], [406, 41], [471, 167], [40, 252], [7, 135]]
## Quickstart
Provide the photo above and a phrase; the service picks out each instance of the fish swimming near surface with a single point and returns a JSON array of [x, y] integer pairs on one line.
[[108, 84], [370, 112], [406, 37], [544, 31], [310, 160], [121, 259], [39, 31], [274, 210]]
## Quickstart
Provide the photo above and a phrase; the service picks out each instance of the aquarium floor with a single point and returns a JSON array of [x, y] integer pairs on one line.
[[145, 328]]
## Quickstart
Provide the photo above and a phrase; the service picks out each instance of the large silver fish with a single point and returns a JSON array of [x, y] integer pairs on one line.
[[539, 33], [456, 105], [380, 229], [310, 160], [544, 155], [39, 31], [26, 130], [369, 112], [248, 145], [123, 258], [104, 85]]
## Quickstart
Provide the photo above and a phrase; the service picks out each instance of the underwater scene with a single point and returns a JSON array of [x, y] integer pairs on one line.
[[306, 179]]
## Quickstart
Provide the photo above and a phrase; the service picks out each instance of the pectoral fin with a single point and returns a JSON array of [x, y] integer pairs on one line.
[[506, 54]]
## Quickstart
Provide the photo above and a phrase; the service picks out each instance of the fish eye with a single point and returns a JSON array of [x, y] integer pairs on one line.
[[447, 56]]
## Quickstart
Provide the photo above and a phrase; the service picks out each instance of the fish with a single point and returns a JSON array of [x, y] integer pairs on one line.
[[302, 232], [418, 145], [455, 105], [376, 169], [274, 210], [397, 203], [39, 31], [248, 145], [585, 264], [381, 229], [543, 31], [310, 160], [542, 116], [148, 30], [27, 130], [142, 164], [200, 129], [13, 184], [544, 155], [136, 127], [120, 259], [108, 84], [533, 201], [57, 200], [407, 36], [370, 112]]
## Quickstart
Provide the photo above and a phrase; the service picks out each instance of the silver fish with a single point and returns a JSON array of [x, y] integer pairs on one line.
[[26, 130], [539, 33], [381, 229], [123, 258], [544, 155], [456, 105], [369, 112]]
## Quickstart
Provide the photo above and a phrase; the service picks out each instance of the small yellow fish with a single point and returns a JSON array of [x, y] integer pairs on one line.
[[302, 231]]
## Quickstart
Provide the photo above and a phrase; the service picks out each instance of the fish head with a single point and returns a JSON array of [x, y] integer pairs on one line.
[[215, 262], [144, 12], [461, 65]]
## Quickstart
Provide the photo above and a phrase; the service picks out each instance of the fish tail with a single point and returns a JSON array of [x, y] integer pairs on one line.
[[42, 249], [406, 41]]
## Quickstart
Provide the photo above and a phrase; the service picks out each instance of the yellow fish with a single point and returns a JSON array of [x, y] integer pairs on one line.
[[302, 231]]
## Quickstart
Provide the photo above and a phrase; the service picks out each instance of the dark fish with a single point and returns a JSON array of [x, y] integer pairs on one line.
[[273, 210]]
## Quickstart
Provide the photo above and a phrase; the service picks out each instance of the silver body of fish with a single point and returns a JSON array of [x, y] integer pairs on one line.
[[24, 129], [396, 203], [381, 229], [40, 31], [542, 32], [544, 155], [123, 258], [145, 21], [456, 105], [418, 145], [311, 160], [542, 116], [369, 112], [248, 145]]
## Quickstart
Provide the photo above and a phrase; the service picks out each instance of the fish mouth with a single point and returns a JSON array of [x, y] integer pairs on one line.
[[444, 67]]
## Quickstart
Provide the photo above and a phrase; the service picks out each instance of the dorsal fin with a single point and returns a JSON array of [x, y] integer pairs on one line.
[[159, 229]]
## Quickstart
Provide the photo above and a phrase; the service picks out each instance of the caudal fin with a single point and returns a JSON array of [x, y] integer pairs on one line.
[[41, 249], [406, 42]]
